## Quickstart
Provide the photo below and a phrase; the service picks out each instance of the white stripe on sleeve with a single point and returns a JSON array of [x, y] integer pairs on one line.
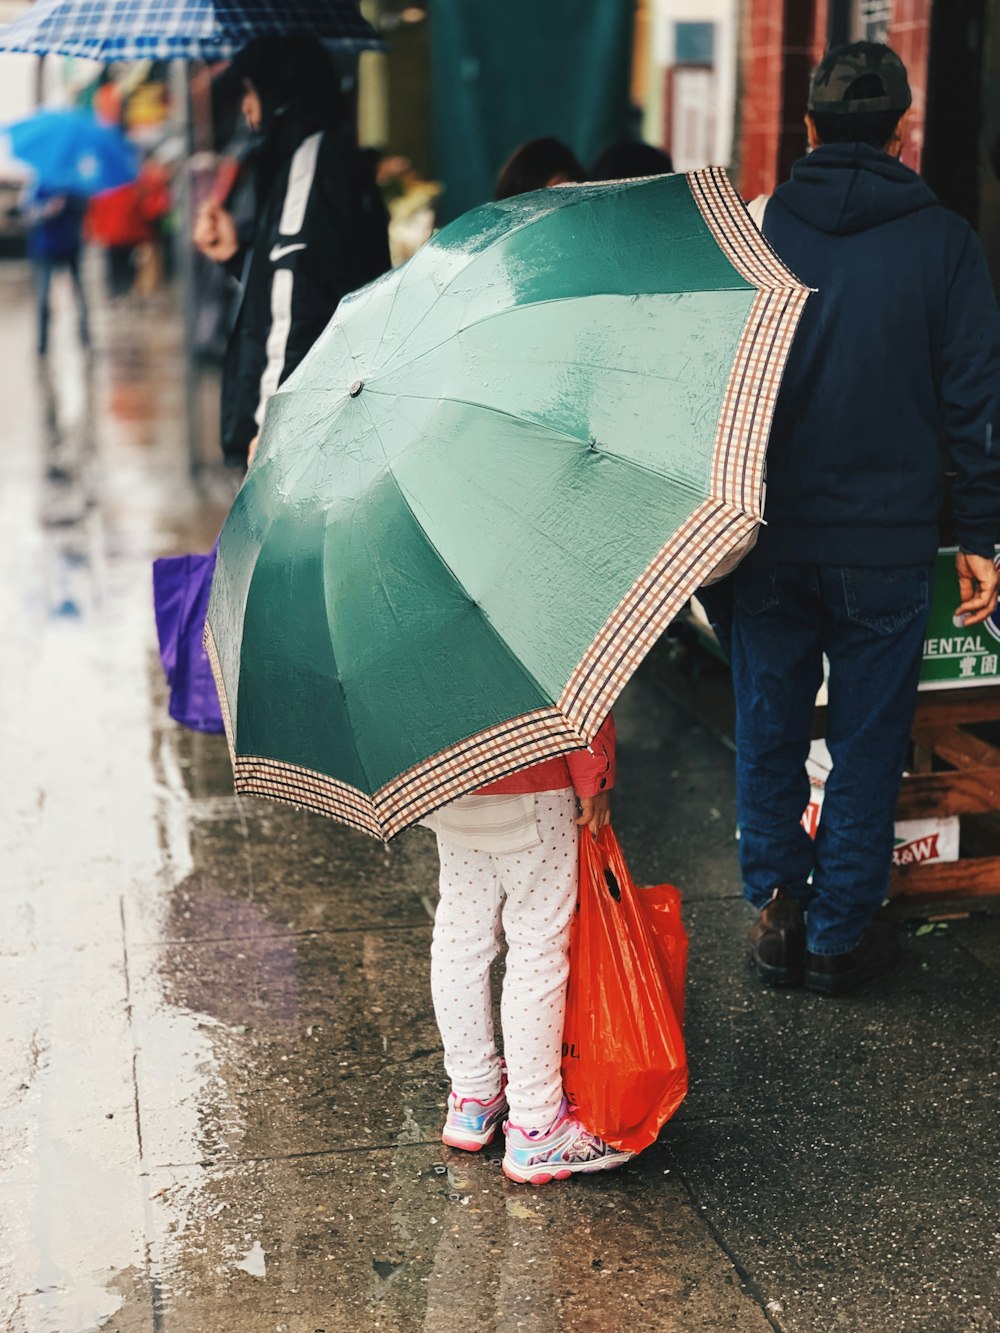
[[277, 339], [301, 175]]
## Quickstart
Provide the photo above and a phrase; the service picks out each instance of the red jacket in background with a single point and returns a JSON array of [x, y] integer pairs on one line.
[[155, 198], [117, 218]]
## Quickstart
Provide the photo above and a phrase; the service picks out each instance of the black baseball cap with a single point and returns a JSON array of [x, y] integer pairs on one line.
[[833, 79]]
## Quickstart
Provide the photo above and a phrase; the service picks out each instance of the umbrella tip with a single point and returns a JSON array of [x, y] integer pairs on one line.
[[356, 388]]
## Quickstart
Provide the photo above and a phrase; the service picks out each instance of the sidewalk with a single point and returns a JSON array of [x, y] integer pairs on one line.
[[222, 1086]]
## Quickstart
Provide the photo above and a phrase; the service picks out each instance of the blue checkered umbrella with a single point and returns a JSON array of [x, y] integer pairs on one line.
[[183, 29]]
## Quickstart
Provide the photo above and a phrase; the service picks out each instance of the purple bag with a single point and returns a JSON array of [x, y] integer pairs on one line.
[[181, 587]]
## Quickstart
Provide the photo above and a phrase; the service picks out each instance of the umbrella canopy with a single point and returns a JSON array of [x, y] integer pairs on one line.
[[69, 152], [183, 29], [487, 489]]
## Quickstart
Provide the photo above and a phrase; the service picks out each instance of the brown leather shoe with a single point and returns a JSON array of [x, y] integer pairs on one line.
[[778, 941], [876, 952]]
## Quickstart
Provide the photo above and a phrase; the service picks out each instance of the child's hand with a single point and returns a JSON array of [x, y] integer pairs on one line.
[[595, 812]]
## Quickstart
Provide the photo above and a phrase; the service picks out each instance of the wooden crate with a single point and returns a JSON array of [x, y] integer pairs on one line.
[[971, 786]]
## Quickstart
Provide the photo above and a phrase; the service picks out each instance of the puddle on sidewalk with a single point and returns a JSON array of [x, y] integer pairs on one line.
[[224, 1086], [85, 821]]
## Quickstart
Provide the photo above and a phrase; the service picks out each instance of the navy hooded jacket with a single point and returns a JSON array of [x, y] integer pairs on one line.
[[895, 366]]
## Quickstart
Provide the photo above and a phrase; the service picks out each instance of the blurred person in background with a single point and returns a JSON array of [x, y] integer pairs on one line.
[[155, 204], [411, 203], [630, 160], [116, 221], [536, 165], [55, 240], [319, 227]]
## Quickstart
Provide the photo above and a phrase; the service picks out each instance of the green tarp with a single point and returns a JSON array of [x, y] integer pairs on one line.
[[506, 72]]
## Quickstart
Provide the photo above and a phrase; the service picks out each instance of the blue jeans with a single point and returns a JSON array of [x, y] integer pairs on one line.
[[870, 622], [45, 270]]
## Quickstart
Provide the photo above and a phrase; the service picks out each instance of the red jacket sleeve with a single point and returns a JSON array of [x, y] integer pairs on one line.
[[593, 770]]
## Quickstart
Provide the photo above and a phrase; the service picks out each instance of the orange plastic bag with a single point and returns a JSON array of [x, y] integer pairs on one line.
[[624, 1064]]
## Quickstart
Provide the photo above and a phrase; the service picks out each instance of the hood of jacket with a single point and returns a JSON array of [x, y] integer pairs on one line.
[[841, 189]]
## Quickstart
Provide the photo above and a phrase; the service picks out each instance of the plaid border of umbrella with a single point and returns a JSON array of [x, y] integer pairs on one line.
[[710, 542]]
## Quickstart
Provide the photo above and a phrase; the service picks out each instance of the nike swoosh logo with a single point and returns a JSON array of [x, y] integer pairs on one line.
[[280, 251]]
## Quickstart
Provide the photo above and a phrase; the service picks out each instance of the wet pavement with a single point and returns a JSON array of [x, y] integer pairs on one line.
[[220, 1081]]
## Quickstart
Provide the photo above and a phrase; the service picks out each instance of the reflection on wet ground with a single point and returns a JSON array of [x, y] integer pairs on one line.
[[224, 1082], [222, 1086]]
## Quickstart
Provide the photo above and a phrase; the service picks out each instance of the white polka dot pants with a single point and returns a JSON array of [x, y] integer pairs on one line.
[[529, 897]]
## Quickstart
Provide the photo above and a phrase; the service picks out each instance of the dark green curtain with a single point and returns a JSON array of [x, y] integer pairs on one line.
[[504, 71]]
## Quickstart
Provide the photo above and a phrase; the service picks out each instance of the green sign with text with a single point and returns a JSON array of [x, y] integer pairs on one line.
[[953, 655]]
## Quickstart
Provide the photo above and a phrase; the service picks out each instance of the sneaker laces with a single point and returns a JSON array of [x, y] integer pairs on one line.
[[583, 1145]]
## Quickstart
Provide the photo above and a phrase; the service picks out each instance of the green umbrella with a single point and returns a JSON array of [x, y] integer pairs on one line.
[[489, 486]]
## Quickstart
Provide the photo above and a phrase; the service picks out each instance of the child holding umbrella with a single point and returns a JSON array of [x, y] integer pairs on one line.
[[509, 863]]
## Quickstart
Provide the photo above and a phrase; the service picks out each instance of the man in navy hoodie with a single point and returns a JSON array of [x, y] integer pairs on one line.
[[895, 370]]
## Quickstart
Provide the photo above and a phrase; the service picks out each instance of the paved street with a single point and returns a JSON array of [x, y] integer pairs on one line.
[[221, 1085]]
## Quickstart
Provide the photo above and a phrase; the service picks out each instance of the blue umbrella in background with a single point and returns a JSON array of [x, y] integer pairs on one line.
[[70, 152], [181, 29]]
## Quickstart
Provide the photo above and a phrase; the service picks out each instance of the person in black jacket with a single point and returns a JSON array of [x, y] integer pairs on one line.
[[895, 366], [320, 228]]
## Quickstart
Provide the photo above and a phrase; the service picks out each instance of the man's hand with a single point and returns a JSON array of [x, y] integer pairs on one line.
[[978, 578], [215, 233], [252, 449], [595, 812]]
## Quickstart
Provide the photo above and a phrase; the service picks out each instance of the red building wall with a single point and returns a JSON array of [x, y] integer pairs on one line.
[[781, 42], [909, 35], [760, 95]]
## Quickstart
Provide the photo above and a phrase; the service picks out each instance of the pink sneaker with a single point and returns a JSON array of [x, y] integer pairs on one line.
[[534, 1157], [471, 1125]]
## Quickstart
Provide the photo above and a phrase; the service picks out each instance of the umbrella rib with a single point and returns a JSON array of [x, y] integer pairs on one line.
[[592, 192], [507, 310], [385, 326], [499, 501], [347, 341], [481, 610], [484, 407], [527, 421], [256, 479], [409, 507]]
